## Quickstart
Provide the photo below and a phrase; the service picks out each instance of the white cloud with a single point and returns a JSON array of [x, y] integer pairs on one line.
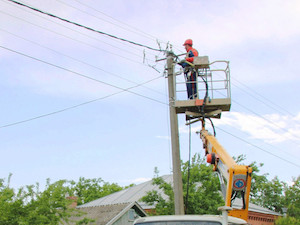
[[271, 128]]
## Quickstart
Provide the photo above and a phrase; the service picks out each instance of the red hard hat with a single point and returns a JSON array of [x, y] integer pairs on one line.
[[188, 42]]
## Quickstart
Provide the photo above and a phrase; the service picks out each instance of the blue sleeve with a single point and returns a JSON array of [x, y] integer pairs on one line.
[[184, 65]]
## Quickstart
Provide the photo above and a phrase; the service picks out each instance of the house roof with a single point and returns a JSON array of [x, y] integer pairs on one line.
[[108, 214], [135, 193], [131, 194], [237, 203]]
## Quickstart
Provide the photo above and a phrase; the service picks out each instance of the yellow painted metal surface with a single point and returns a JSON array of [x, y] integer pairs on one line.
[[238, 177]]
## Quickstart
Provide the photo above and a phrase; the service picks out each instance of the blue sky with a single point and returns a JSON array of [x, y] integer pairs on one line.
[[122, 137]]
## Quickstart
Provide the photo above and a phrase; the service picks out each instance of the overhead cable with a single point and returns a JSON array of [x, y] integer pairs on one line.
[[269, 121], [83, 62], [74, 30], [261, 96], [80, 74], [76, 106], [143, 33], [88, 44], [260, 148], [265, 101], [265, 119], [189, 171], [133, 29], [83, 26]]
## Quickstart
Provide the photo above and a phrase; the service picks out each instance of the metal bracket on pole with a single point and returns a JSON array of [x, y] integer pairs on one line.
[[191, 122], [158, 60]]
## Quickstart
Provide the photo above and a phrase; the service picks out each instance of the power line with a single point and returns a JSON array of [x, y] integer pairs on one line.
[[150, 36], [128, 25], [77, 60], [83, 26], [80, 74], [269, 121], [298, 138], [96, 47], [75, 106], [133, 30], [261, 96], [88, 13], [264, 119], [253, 144], [168, 126], [259, 148]]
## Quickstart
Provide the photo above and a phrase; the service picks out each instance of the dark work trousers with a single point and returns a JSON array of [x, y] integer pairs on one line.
[[191, 84]]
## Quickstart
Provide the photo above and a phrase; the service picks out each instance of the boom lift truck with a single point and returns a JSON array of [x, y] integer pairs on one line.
[[213, 84], [214, 87]]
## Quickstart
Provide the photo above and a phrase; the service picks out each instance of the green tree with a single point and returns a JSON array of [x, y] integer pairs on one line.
[[292, 199], [90, 189], [203, 195], [50, 206], [268, 194], [28, 205], [275, 195], [287, 221], [257, 180], [271, 195], [163, 206], [11, 204]]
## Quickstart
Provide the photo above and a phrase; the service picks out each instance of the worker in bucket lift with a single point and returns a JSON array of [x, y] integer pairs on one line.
[[189, 71]]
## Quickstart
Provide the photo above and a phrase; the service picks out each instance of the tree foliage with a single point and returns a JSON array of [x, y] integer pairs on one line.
[[204, 197], [271, 195], [31, 206], [287, 221], [11, 204], [268, 194], [203, 192], [275, 195], [163, 206], [90, 189], [292, 199]]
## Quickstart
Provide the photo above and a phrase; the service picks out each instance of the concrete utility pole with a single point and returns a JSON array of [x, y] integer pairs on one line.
[[177, 176]]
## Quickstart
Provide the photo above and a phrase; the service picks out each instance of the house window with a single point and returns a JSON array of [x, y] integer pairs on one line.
[[132, 215]]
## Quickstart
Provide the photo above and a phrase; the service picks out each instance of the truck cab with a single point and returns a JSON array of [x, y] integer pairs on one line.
[[188, 220]]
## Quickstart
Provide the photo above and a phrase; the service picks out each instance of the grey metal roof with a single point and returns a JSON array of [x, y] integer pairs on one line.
[[102, 214], [107, 214], [253, 208], [135, 193], [131, 194]]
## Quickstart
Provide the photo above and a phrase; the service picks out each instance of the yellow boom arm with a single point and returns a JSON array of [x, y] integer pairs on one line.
[[237, 177]]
